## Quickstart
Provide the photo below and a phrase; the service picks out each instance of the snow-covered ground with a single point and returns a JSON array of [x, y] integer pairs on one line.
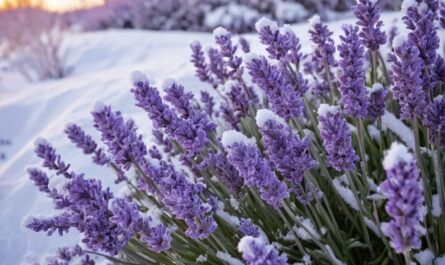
[[102, 64]]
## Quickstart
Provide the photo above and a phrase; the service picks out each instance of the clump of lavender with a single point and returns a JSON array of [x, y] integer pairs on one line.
[[352, 73], [407, 78], [217, 184], [403, 190], [336, 138], [368, 14]]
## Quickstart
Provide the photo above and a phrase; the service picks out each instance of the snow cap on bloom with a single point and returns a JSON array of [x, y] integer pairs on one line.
[[264, 115], [403, 190], [245, 156], [255, 251], [352, 73], [368, 14], [407, 78], [337, 139], [377, 97], [434, 120]]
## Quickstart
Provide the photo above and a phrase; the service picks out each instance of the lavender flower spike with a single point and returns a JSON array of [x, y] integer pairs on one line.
[[377, 97], [257, 252], [407, 78], [198, 60], [228, 51], [256, 171], [442, 13], [434, 120], [368, 14], [289, 154], [336, 138], [86, 143], [285, 100], [352, 73], [51, 159], [403, 190], [420, 18]]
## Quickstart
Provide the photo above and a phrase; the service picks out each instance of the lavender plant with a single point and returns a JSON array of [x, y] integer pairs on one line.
[[257, 170]]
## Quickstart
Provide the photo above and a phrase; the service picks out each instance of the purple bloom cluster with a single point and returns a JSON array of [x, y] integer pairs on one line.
[[227, 50], [289, 154], [191, 134], [51, 159], [336, 138], [285, 100], [352, 73], [227, 174], [377, 97], [208, 103], [255, 170], [322, 58], [420, 18], [125, 145], [66, 256], [201, 68], [282, 44], [406, 72], [434, 120], [247, 228], [256, 252], [180, 99], [442, 14], [368, 14], [403, 190], [86, 143]]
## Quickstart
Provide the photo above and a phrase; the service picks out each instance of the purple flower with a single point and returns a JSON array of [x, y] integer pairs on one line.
[[282, 45], [39, 178], [247, 228], [51, 159], [434, 120], [256, 252], [157, 237], [201, 67], [86, 143], [288, 153], [244, 44], [208, 103], [238, 99], [121, 137], [322, 60], [161, 139], [255, 170], [420, 19], [352, 74], [227, 50], [225, 172], [440, 69], [336, 138], [180, 99], [285, 100], [191, 134], [217, 66], [403, 190], [406, 73], [377, 97], [368, 14]]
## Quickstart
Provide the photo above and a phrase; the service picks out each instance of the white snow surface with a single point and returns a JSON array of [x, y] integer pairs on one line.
[[266, 22], [102, 64], [425, 257], [396, 153], [232, 137], [264, 115], [324, 109]]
